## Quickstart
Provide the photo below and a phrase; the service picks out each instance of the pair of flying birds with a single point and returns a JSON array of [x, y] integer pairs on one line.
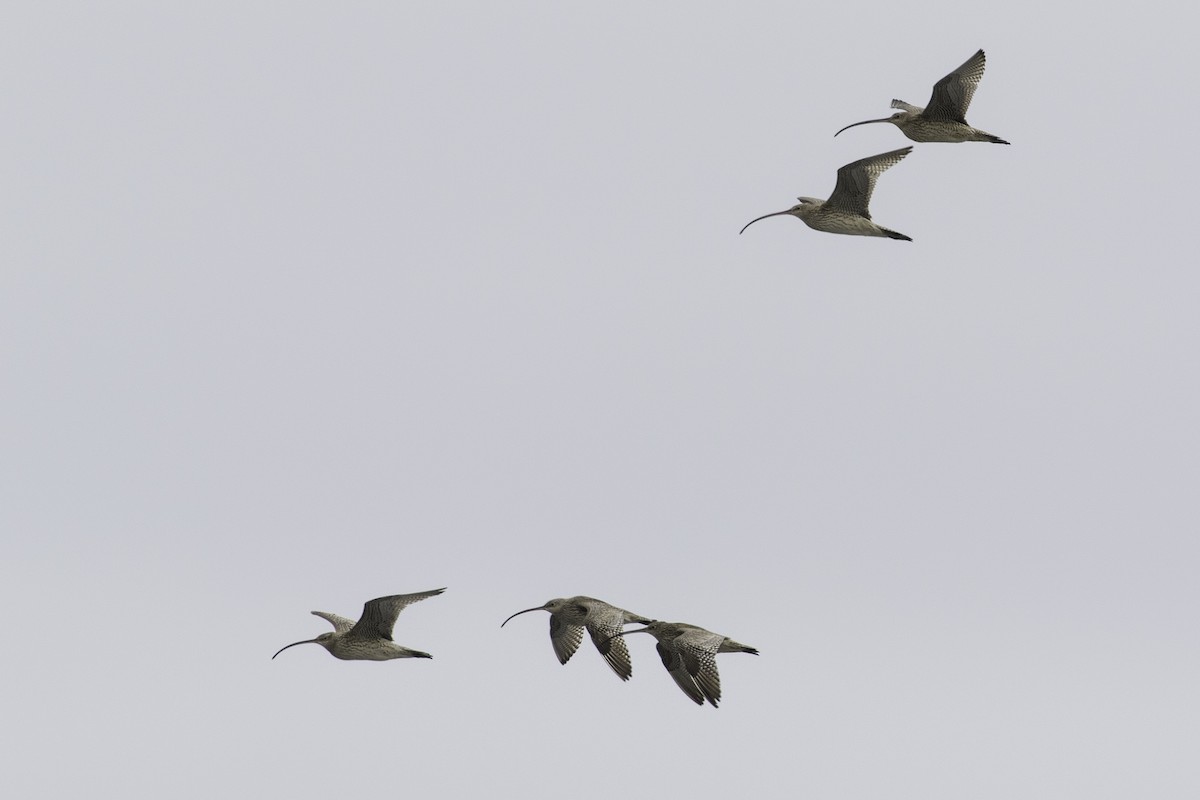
[[943, 120], [688, 652]]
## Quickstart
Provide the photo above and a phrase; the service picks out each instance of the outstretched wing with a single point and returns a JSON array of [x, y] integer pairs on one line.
[[909, 107], [698, 650], [565, 637], [856, 181], [604, 625], [953, 93], [673, 661], [340, 624], [379, 615]]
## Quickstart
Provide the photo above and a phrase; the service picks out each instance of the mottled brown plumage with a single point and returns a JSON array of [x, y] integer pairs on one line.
[[846, 209], [689, 654], [570, 615], [369, 639], [945, 118]]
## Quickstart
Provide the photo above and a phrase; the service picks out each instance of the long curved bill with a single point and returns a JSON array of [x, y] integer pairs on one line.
[[864, 122], [293, 644], [747, 225], [519, 613], [622, 633]]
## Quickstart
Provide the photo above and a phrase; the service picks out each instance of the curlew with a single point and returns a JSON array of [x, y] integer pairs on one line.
[[846, 209], [690, 654], [369, 639], [945, 118], [570, 615]]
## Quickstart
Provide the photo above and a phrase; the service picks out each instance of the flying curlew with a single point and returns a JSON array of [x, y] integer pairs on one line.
[[369, 639], [570, 615], [945, 118], [846, 209], [690, 654]]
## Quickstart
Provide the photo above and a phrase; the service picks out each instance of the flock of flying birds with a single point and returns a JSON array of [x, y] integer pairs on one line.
[[943, 120], [687, 651]]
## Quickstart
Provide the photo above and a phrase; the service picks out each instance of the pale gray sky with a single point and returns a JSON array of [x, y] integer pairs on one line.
[[307, 303]]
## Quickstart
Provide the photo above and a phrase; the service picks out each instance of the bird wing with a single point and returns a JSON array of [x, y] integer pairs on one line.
[[340, 624], [856, 181], [953, 93], [698, 649], [565, 637], [379, 615], [672, 660], [909, 107], [604, 626]]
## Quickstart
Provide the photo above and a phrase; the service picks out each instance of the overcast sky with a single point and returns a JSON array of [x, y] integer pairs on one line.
[[305, 303]]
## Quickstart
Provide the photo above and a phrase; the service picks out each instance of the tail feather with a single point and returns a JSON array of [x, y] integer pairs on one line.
[[895, 235]]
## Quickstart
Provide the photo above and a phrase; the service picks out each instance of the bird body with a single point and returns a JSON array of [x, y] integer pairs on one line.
[[920, 129], [370, 638], [569, 616], [846, 211], [689, 654], [945, 118], [816, 215]]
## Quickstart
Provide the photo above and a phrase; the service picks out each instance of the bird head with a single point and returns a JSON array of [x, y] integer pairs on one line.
[[896, 119], [550, 605], [655, 628]]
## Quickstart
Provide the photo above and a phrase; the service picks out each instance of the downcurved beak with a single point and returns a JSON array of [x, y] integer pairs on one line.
[[622, 633], [864, 122], [519, 613], [293, 644], [743, 230]]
